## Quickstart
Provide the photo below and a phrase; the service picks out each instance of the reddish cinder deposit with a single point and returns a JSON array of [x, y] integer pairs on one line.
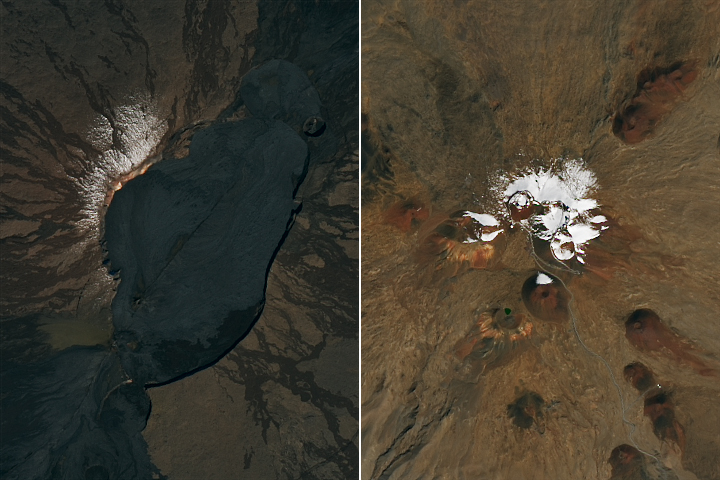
[[647, 333], [639, 376], [521, 206], [527, 410], [494, 337], [627, 463], [661, 412], [659, 89], [658, 405], [546, 301], [453, 243], [405, 213]]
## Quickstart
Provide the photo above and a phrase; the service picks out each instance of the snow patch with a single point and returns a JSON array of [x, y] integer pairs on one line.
[[542, 279]]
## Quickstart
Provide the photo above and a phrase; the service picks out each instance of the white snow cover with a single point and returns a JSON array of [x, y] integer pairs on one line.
[[486, 221], [564, 191], [542, 279], [489, 237], [140, 130], [570, 185], [483, 219]]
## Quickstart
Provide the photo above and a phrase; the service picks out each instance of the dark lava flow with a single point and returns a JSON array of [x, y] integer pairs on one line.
[[646, 332], [627, 463], [192, 239], [658, 89]]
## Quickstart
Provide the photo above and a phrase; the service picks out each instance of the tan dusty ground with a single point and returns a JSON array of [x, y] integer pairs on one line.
[[453, 94]]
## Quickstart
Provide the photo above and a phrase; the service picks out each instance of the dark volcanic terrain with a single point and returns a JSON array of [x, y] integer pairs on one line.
[[172, 175]]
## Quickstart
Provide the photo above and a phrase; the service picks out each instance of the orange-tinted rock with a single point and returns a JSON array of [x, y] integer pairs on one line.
[[659, 89], [648, 333], [491, 340], [405, 213], [457, 242], [546, 298]]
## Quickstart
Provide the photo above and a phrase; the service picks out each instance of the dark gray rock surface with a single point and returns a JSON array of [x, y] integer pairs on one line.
[[193, 239], [283, 404], [280, 90], [75, 412], [88, 91]]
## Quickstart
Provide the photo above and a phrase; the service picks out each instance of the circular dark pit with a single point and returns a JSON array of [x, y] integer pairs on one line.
[[546, 298], [641, 319], [639, 376], [508, 322], [314, 126]]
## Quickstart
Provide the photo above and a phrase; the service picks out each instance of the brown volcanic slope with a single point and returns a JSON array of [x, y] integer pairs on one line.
[[80, 82], [452, 96]]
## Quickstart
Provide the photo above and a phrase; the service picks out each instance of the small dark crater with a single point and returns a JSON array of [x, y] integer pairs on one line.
[[627, 462], [546, 298], [639, 319], [639, 376], [645, 331], [527, 410], [314, 127], [97, 472]]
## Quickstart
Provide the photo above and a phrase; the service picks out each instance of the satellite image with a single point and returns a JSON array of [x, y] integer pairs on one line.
[[540, 225], [180, 240]]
